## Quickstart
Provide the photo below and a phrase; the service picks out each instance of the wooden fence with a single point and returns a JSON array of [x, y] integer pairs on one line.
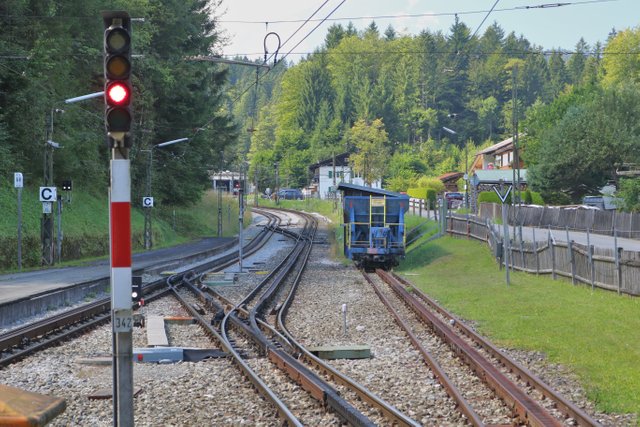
[[617, 270], [623, 224]]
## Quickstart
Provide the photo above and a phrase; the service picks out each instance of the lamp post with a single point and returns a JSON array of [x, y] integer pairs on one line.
[[453, 116], [147, 201], [46, 232], [466, 171]]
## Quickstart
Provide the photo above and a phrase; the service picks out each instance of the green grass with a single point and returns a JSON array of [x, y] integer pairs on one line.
[[85, 226], [596, 333]]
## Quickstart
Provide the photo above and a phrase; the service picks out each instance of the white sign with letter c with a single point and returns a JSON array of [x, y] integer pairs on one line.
[[48, 194]]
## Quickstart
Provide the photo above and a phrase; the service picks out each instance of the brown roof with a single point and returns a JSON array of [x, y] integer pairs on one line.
[[495, 147], [450, 176]]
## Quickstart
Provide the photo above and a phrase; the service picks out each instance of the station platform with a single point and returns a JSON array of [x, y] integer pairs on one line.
[[19, 286], [21, 408]]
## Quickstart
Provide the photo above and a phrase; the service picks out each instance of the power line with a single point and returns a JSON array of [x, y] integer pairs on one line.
[[284, 57], [422, 52], [352, 18], [485, 18], [423, 15]]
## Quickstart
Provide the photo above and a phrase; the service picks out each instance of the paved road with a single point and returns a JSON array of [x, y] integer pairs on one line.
[[19, 285], [541, 234], [597, 240]]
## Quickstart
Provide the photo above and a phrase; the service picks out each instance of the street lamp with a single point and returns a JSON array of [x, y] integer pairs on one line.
[[49, 147], [147, 201], [466, 162]]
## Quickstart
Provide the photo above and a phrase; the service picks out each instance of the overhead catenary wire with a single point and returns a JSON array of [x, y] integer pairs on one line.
[[423, 15], [266, 60], [281, 60], [485, 18], [346, 18]]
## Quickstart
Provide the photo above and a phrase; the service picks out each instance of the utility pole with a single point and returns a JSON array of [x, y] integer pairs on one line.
[[240, 225], [46, 225], [147, 211], [334, 193], [276, 164], [255, 184], [148, 230], [515, 164], [219, 211]]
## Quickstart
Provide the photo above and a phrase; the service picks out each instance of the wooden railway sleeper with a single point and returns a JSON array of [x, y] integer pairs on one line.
[[521, 373], [527, 409]]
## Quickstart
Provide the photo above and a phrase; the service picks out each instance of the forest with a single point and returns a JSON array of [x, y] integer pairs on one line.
[[51, 51], [368, 92], [576, 111]]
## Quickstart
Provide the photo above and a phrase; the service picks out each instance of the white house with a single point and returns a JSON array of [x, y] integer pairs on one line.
[[327, 175]]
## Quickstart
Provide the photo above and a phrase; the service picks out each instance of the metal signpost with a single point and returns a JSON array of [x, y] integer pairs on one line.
[[241, 223], [59, 238], [147, 201], [18, 182], [505, 226], [219, 212], [474, 195]]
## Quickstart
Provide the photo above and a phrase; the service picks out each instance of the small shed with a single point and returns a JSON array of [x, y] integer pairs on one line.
[[450, 180]]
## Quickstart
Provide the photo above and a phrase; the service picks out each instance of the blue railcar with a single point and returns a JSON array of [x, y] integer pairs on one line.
[[374, 228]]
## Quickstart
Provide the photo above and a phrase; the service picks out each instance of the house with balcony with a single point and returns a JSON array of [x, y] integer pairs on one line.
[[495, 163], [327, 174]]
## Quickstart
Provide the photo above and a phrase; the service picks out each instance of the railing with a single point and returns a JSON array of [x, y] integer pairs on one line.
[[622, 224], [367, 243], [611, 268]]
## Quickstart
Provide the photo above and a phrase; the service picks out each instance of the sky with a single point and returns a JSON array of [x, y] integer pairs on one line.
[[549, 27]]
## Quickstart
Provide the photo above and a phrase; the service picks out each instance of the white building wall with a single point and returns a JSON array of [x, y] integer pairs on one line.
[[343, 174]]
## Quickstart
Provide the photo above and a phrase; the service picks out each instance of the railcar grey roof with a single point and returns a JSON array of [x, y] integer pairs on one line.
[[360, 190]]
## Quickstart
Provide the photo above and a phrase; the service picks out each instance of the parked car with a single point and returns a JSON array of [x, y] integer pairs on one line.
[[454, 199], [290, 194]]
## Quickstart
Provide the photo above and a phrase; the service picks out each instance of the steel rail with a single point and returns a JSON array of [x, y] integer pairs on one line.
[[282, 409], [389, 411], [307, 379], [522, 405], [44, 331], [453, 392], [562, 403]]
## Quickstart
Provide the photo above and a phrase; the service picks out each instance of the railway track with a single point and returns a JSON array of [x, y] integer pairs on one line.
[[23, 341], [254, 332], [526, 399]]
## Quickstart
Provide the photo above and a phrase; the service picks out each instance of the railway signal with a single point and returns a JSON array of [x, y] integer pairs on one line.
[[117, 75], [136, 290], [117, 96]]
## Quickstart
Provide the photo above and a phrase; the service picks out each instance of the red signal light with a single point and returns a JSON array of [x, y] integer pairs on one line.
[[118, 94]]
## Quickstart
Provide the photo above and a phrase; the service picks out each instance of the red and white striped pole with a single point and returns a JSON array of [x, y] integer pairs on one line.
[[121, 307], [120, 229]]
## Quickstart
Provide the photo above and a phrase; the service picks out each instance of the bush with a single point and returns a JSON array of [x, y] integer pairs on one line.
[[417, 193], [557, 198], [630, 194], [536, 198], [431, 196], [433, 183], [491, 197], [528, 197]]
